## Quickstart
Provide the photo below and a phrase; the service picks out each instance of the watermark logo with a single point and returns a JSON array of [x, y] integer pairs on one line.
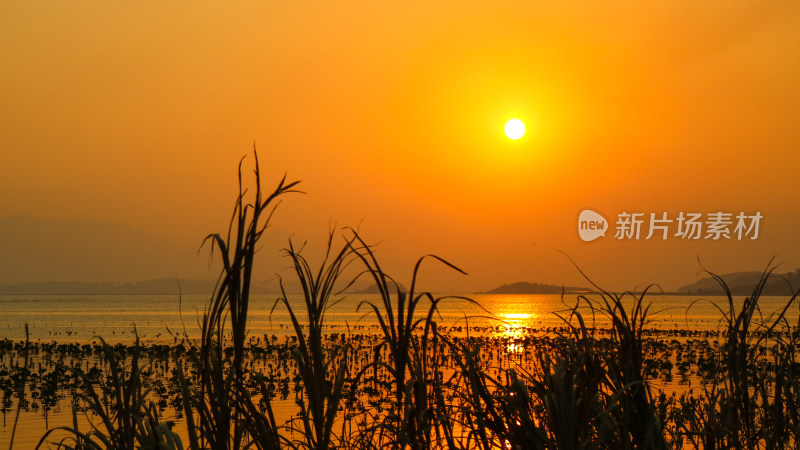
[[686, 225], [591, 225]]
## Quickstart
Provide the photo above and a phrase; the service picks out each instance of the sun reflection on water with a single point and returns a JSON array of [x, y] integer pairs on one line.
[[515, 326], [517, 316]]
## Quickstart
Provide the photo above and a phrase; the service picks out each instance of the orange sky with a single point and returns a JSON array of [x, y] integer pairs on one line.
[[392, 112]]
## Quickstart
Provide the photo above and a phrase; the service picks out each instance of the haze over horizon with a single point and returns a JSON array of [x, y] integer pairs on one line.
[[392, 116], [51, 253]]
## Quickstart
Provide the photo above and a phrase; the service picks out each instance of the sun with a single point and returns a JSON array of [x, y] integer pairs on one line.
[[515, 129]]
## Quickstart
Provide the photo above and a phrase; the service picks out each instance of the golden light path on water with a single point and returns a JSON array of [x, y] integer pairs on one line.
[[514, 327], [78, 318], [518, 316]]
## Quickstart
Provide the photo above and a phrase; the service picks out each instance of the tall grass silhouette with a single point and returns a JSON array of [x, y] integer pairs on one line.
[[426, 387], [323, 372], [414, 418], [220, 411], [752, 399]]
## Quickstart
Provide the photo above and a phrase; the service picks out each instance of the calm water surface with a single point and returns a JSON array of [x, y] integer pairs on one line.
[[159, 318], [76, 318]]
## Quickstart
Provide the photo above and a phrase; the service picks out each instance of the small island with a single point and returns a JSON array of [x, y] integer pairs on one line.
[[525, 287]]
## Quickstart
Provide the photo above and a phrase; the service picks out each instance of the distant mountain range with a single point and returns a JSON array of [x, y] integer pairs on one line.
[[158, 286], [740, 283], [373, 289], [161, 286]]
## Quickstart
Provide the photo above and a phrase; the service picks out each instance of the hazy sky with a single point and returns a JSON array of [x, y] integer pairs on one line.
[[391, 113]]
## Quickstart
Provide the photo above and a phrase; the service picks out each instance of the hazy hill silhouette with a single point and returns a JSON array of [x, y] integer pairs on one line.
[[36, 250], [742, 283], [163, 286]]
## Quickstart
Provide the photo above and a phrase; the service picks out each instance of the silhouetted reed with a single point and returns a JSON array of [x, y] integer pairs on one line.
[[413, 418], [323, 371], [219, 409], [750, 400]]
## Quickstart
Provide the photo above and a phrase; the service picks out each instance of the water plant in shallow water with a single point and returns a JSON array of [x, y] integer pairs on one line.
[[124, 417], [323, 371]]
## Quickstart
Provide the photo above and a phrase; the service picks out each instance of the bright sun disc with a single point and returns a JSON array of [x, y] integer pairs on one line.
[[515, 129]]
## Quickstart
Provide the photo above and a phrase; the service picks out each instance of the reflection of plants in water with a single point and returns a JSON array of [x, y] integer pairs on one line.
[[49, 389], [8, 393]]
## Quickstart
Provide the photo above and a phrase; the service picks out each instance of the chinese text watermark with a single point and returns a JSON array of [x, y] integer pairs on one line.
[[685, 225]]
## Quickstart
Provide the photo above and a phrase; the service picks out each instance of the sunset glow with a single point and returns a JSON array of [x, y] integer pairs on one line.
[[395, 118]]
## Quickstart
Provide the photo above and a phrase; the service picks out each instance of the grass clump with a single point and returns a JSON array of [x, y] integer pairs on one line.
[[416, 417], [323, 372], [220, 411], [123, 416]]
